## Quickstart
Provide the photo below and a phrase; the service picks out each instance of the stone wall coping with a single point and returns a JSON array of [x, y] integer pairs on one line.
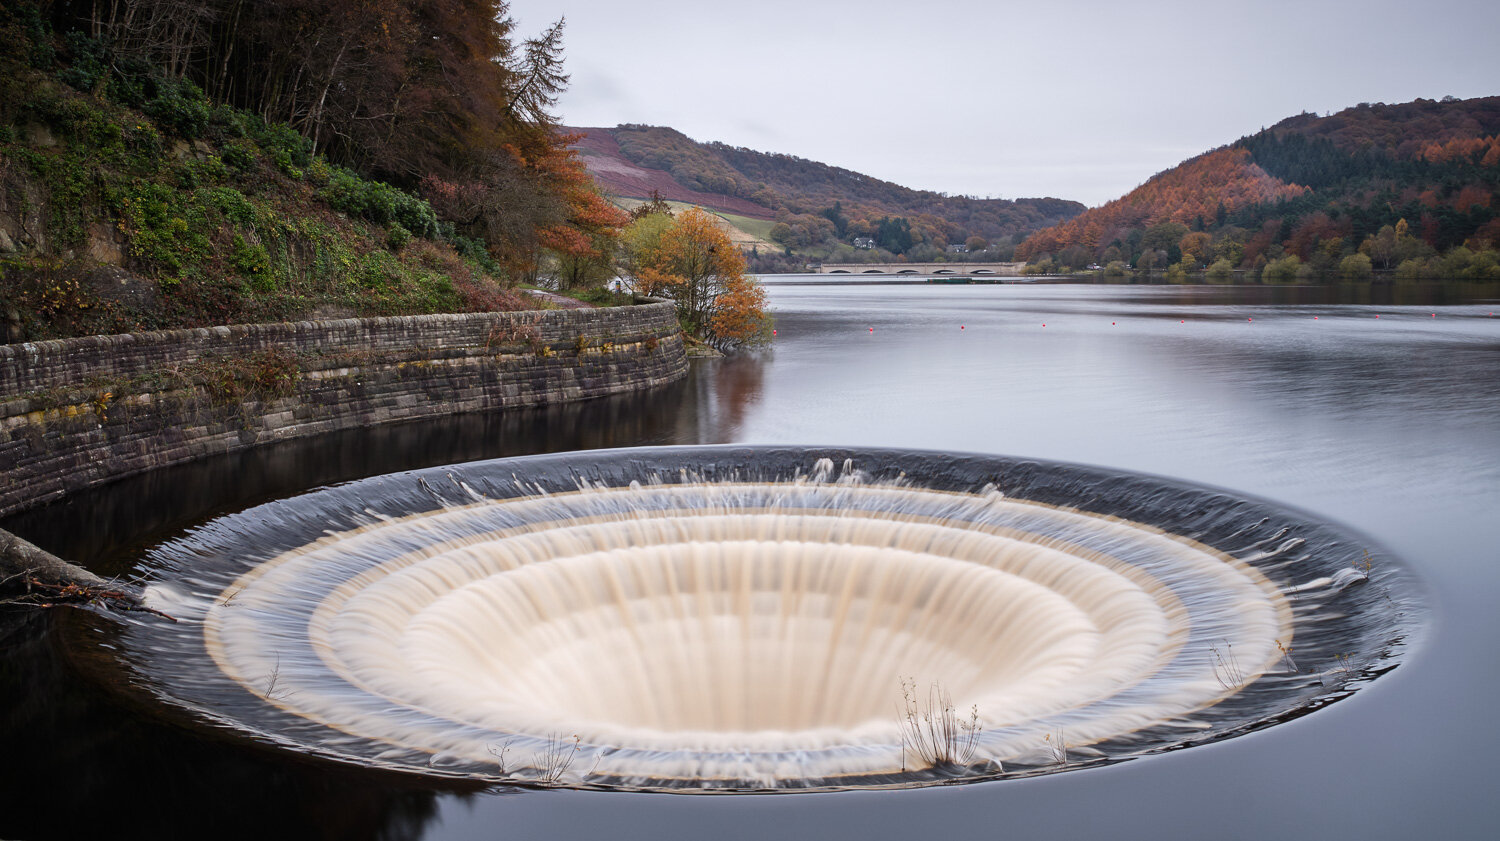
[[24, 367]]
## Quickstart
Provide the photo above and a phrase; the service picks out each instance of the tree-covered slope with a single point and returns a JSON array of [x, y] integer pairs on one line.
[[817, 206], [1423, 174], [168, 163]]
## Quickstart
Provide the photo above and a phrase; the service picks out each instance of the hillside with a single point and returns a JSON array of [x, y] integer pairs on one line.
[[1398, 184], [161, 165], [820, 209]]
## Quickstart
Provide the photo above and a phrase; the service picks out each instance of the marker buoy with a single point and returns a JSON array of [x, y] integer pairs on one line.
[[872, 329], [1249, 319], [960, 327]]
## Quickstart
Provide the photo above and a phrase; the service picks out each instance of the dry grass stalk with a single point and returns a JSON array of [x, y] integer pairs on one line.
[[932, 733]]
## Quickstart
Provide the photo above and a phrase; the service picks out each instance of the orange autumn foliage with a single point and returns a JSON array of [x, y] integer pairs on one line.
[[1183, 194], [692, 261]]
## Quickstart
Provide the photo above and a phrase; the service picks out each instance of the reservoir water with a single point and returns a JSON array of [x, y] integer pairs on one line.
[[1374, 407]]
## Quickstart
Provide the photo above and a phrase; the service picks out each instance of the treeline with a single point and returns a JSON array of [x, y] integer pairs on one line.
[[1311, 196], [823, 210], [434, 96]]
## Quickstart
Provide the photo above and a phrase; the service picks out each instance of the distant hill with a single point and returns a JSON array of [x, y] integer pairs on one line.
[[818, 207], [1318, 188]]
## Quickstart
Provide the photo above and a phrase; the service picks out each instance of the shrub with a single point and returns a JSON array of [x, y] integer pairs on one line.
[[281, 143], [1355, 266], [378, 202], [87, 62], [251, 260], [1220, 270], [397, 237], [1415, 269], [480, 295], [1283, 270], [1036, 267], [240, 155], [179, 105], [232, 203]]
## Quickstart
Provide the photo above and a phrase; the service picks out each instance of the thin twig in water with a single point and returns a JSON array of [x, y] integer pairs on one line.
[[1227, 669], [44, 594], [1057, 744], [932, 733], [500, 756], [274, 690], [1286, 657], [553, 760]]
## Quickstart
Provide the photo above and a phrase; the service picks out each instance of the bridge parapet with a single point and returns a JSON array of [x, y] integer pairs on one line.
[[925, 269]]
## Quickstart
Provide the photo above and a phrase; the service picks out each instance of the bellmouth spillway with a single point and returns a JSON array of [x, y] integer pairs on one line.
[[763, 619]]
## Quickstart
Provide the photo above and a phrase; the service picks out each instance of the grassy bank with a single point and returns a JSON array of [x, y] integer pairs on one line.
[[129, 201]]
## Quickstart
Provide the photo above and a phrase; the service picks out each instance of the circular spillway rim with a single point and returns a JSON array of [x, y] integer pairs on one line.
[[1037, 482]]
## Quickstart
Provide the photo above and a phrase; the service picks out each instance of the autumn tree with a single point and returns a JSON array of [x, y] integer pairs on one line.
[[690, 260]]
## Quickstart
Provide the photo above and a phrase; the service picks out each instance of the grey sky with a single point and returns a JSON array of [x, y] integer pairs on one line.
[[1079, 99]]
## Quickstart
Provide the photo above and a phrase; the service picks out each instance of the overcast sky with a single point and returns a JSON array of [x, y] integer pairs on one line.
[[1078, 99]]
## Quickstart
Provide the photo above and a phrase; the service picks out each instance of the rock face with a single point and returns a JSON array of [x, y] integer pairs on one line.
[[114, 284], [80, 412], [23, 212]]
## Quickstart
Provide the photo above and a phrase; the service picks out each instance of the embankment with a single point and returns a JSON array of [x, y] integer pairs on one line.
[[75, 413]]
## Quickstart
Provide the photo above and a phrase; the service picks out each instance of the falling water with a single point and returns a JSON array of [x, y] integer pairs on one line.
[[747, 619]]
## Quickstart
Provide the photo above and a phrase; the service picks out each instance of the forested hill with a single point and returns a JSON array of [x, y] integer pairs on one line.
[[819, 205], [171, 163], [1394, 183]]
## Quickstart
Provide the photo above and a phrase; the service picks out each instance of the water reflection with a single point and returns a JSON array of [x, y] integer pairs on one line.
[[129, 515], [722, 393], [68, 744], [1392, 429]]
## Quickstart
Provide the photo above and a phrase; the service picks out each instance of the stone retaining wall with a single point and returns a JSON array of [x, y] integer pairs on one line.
[[80, 412]]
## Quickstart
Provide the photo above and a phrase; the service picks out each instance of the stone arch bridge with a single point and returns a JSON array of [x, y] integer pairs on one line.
[[925, 269]]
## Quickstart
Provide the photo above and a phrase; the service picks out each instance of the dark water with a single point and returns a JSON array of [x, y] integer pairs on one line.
[[1378, 407]]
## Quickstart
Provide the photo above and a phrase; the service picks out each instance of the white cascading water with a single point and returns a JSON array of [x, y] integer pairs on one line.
[[741, 634]]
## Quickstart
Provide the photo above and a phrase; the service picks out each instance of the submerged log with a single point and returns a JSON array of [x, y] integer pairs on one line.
[[21, 559], [37, 577]]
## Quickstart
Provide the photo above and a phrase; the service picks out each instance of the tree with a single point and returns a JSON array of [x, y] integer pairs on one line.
[[656, 204], [894, 235], [836, 215], [691, 260], [1165, 236], [1355, 267], [1075, 257], [1194, 247], [1283, 270]]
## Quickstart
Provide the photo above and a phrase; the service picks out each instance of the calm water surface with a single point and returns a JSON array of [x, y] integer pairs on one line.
[[1375, 406]]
